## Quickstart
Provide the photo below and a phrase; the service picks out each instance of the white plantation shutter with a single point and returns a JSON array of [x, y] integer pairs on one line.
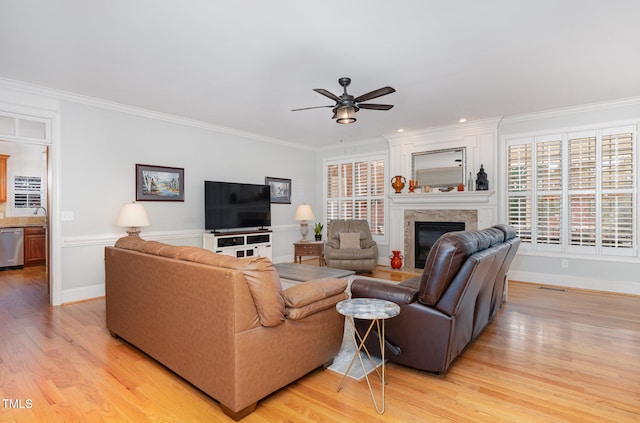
[[346, 180], [519, 188], [333, 181], [356, 190], [520, 216], [376, 215], [582, 163], [617, 190], [333, 192], [361, 180], [582, 219], [549, 165], [361, 189], [346, 209], [549, 190], [377, 177], [360, 209], [27, 192], [548, 212], [617, 220], [582, 190], [574, 192], [617, 161]]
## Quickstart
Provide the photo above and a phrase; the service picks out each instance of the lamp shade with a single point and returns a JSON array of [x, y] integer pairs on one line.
[[304, 212], [133, 215], [346, 114]]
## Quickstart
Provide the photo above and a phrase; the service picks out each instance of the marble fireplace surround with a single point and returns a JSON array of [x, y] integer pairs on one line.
[[469, 217]]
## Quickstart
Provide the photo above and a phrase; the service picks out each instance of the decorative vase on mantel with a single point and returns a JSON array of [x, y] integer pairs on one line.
[[397, 182], [396, 259]]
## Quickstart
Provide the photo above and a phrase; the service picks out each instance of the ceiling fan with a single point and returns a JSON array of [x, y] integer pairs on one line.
[[346, 105]]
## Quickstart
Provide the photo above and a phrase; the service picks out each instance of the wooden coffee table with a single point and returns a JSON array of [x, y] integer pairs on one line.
[[304, 272]]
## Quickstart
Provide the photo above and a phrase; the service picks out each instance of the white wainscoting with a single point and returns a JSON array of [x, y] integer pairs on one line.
[[83, 257]]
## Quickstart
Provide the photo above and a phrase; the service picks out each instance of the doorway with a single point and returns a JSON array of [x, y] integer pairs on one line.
[[26, 204]]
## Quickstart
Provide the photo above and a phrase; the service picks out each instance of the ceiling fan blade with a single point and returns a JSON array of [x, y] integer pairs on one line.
[[375, 93], [375, 106], [308, 108], [327, 94]]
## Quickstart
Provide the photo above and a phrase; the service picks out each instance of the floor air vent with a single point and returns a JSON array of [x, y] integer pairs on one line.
[[548, 288]]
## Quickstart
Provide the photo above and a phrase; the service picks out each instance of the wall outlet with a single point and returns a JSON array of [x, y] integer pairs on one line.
[[564, 263], [66, 216]]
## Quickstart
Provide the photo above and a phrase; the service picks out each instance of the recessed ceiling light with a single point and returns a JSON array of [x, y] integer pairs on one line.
[[462, 120], [400, 130]]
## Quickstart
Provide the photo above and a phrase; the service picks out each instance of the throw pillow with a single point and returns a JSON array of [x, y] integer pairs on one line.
[[303, 294], [265, 287], [349, 240]]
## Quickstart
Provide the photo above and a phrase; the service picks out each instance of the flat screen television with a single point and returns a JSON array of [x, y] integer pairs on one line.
[[230, 205]]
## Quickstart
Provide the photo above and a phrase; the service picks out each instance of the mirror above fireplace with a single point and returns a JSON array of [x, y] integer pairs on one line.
[[440, 168]]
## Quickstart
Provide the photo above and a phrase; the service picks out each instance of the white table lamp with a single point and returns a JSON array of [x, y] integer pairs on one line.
[[133, 216], [303, 214]]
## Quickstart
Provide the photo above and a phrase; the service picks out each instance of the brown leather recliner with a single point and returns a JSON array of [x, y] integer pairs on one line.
[[361, 257], [445, 309]]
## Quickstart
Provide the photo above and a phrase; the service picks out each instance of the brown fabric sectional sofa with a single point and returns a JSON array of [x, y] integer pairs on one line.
[[223, 324]]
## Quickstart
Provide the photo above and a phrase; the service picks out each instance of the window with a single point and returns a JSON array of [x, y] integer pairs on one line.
[[574, 192], [355, 190], [27, 192]]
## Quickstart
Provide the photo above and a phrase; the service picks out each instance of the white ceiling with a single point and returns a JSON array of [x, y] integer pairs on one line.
[[245, 64]]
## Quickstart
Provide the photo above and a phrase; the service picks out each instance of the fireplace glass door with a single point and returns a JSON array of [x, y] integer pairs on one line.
[[427, 233]]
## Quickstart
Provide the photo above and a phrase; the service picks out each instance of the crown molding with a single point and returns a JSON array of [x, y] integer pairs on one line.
[[61, 95], [591, 107], [460, 130]]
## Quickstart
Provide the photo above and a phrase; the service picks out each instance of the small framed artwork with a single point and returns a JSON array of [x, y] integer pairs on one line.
[[280, 189], [159, 183]]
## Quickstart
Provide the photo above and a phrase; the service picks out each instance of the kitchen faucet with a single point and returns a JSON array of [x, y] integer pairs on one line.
[[45, 214]]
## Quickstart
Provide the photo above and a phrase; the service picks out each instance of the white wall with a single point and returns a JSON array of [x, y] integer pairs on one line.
[[95, 148], [99, 150]]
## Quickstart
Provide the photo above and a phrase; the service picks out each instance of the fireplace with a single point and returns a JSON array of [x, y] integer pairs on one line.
[[427, 233], [411, 216]]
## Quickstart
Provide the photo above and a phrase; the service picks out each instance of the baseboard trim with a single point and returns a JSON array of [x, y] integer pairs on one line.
[[82, 294], [618, 287]]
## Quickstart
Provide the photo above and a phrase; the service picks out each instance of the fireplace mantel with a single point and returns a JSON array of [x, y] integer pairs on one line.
[[452, 204], [441, 198], [480, 139]]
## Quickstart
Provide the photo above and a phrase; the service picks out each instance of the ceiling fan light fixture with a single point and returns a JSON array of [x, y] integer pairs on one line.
[[345, 107], [346, 114]]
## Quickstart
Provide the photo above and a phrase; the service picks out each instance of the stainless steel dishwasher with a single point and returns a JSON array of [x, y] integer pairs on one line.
[[11, 247]]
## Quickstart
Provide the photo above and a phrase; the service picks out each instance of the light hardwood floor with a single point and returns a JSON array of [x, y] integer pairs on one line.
[[549, 356]]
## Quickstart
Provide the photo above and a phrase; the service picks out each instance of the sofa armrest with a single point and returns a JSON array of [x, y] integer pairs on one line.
[[362, 288], [368, 243], [310, 297], [332, 243]]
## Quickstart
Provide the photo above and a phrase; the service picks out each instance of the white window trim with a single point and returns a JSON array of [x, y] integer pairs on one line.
[[602, 253], [27, 211], [380, 239]]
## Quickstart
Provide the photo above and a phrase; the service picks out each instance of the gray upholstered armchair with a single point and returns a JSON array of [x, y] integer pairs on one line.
[[350, 246]]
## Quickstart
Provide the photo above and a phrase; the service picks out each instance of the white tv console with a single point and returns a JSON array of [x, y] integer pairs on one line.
[[240, 244]]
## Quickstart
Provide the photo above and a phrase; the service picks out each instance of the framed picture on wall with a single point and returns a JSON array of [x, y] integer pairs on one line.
[[280, 190], [159, 183]]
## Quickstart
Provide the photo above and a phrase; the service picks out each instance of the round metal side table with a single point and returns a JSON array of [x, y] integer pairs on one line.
[[377, 311]]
